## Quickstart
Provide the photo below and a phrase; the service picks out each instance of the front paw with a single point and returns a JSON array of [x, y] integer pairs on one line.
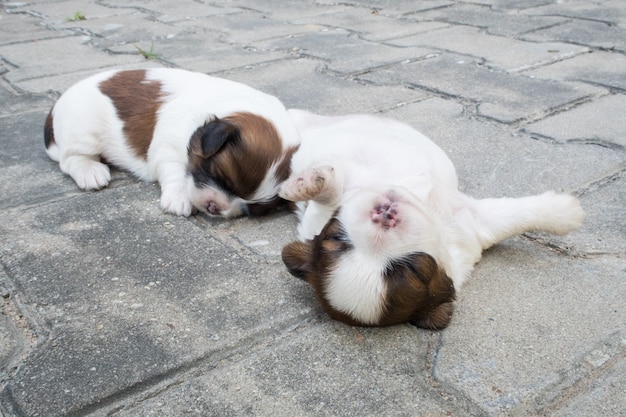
[[177, 203], [308, 184], [89, 174]]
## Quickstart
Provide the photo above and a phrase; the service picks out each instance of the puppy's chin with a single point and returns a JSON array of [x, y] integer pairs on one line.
[[262, 208]]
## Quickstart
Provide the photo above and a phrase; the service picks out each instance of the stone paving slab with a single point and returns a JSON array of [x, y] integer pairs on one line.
[[602, 394], [584, 32], [343, 54], [508, 99], [112, 33], [13, 103], [597, 67], [498, 52], [520, 333], [320, 369], [184, 10], [599, 122], [222, 57], [255, 238], [398, 8], [605, 225], [116, 312], [609, 11], [67, 14], [371, 25], [112, 308], [12, 29], [246, 27], [305, 83], [15, 335], [30, 65], [503, 22], [288, 10], [53, 85]]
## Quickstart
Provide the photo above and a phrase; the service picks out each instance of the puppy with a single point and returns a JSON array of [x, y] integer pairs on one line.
[[386, 237], [215, 145]]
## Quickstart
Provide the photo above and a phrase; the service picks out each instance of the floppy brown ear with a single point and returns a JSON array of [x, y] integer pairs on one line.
[[209, 138], [419, 291], [297, 258], [437, 319], [440, 290]]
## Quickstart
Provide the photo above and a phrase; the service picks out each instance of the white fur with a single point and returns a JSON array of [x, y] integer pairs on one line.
[[86, 126], [360, 272], [361, 162]]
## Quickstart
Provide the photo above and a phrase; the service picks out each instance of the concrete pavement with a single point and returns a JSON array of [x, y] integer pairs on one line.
[[112, 308]]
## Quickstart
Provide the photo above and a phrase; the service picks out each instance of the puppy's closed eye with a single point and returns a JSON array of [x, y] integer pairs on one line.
[[334, 237]]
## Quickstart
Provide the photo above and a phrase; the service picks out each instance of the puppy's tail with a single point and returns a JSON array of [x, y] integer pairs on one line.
[[500, 218]]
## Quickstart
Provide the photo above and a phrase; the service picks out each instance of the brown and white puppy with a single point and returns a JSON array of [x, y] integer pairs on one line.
[[386, 237], [212, 144]]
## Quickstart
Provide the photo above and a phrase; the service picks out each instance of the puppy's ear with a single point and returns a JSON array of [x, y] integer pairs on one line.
[[441, 294], [437, 319], [297, 258], [209, 138], [419, 291]]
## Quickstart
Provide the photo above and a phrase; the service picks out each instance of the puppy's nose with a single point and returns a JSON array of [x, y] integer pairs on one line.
[[385, 214], [213, 209]]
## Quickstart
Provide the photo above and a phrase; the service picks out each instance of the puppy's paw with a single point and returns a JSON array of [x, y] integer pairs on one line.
[[309, 184], [90, 174], [177, 203]]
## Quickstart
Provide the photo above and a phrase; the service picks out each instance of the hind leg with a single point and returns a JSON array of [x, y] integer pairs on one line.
[[87, 171]]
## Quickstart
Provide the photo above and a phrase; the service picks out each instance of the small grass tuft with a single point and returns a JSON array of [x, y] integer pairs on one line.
[[77, 16], [148, 54]]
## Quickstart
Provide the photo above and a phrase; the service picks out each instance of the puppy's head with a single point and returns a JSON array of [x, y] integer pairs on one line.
[[237, 164], [373, 265]]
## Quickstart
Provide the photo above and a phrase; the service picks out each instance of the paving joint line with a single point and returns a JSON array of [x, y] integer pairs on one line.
[[570, 385], [444, 390], [553, 111], [220, 358]]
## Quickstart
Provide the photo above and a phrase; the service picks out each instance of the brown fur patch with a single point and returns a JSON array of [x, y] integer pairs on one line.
[[48, 131], [418, 291], [261, 147], [137, 102], [284, 168]]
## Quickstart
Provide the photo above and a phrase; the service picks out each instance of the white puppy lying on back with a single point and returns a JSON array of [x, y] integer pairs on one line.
[[212, 144], [386, 236]]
